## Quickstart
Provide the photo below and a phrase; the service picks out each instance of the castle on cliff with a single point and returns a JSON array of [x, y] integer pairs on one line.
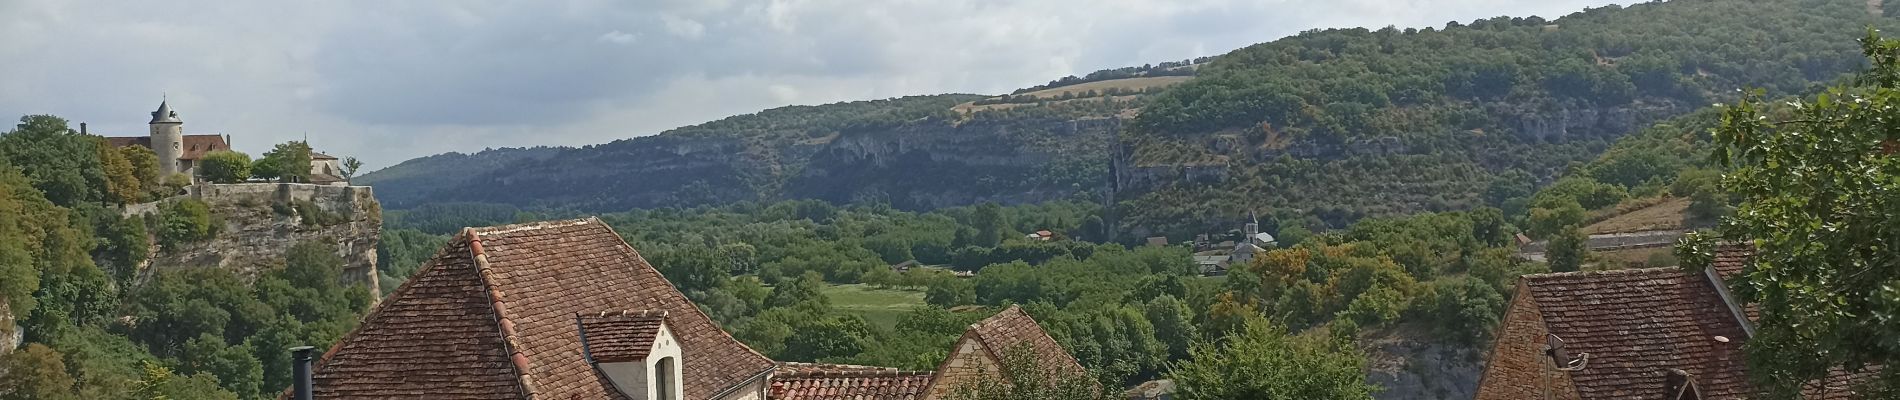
[[179, 153]]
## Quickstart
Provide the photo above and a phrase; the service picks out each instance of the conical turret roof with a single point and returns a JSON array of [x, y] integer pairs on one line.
[[165, 114]]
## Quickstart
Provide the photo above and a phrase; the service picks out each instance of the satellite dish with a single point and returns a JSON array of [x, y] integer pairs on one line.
[[1555, 346]]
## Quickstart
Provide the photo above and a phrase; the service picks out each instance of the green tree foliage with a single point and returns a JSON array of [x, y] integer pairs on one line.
[[46, 273], [35, 372], [1567, 250], [287, 161], [159, 383], [350, 167], [1348, 123], [1813, 181], [830, 338], [225, 166], [267, 169], [1261, 361], [402, 251], [123, 182], [1465, 310], [61, 163], [1174, 324], [183, 222], [144, 167], [806, 288]]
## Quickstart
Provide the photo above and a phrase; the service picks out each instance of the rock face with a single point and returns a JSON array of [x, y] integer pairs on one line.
[[259, 222], [10, 334], [1409, 366], [916, 165]]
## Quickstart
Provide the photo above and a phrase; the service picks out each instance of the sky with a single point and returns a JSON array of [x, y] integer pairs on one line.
[[386, 81]]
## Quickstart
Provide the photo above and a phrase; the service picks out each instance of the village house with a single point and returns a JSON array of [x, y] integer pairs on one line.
[[1656, 333], [179, 153], [568, 310]]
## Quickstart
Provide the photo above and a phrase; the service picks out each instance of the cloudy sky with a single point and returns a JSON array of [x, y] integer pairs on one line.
[[391, 80]]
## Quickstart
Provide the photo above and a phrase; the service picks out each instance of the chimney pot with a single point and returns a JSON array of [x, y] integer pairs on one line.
[[300, 361]]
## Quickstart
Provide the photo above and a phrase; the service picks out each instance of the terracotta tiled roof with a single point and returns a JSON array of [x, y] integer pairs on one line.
[[620, 336], [1730, 258], [802, 381], [194, 146], [517, 289], [435, 336], [1636, 324], [545, 272], [1013, 328], [1729, 261]]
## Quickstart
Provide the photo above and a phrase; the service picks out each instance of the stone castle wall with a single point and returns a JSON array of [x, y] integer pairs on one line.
[[259, 222]]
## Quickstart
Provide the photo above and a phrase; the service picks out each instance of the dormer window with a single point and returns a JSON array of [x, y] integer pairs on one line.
[[663, 382], [635, 350]]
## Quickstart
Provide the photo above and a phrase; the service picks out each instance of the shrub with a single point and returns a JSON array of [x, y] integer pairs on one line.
[[184, 221], [225, 166]]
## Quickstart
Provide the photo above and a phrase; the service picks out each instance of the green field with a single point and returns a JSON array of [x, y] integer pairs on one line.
[[879, 306]]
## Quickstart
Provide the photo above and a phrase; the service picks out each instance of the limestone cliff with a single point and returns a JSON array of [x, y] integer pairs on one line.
[[259, 222]]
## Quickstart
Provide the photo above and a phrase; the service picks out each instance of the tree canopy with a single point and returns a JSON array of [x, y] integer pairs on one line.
[[1814, 180]]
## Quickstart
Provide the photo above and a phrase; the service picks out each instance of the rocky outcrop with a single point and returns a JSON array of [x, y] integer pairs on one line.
[[10, 333], [259, 222], [1410, 365]]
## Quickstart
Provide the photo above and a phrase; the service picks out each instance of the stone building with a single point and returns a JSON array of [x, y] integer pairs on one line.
[[177, 152], [568, 310], [1658, 333]]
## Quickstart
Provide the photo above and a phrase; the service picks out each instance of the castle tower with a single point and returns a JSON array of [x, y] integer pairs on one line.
[[168, 139]]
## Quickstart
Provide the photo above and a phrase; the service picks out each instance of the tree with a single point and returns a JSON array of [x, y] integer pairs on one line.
[[831, 338], [1174, 325], [266, 168], [808, 287], [184, 221], [990, 225], [61, 163], [144, 165], [350, 166], [290, 161], [34, 372], [158, 383], [122, 180], [225, 166], [1262, 361], [1566, 250], [1817, 202], [950, 292]]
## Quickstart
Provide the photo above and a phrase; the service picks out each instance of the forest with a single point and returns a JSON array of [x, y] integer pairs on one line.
[[1341, 124], [98, 326], [1417, 232]]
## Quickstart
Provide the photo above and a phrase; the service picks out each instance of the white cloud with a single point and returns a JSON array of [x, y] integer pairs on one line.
[[618, 37], [388, 81], [683, 27]]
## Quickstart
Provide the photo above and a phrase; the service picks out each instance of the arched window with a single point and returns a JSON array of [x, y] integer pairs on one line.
[[664, 384]]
